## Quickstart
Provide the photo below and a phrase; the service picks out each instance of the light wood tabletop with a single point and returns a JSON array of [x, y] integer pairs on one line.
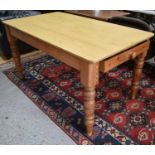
[[86, 38]]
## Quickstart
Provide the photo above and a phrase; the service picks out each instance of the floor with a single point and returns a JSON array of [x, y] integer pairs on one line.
[[21, 122]]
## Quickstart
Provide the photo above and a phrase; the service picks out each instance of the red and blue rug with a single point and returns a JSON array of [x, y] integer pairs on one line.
[[56, 89]]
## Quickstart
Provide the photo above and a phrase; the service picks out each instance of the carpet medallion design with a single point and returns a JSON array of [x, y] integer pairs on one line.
[[56, 89]]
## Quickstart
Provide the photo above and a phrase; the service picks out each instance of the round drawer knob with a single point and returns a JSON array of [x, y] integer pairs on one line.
[[133, 56]]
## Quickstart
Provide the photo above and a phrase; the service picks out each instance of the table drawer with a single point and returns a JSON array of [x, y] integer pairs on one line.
[[118, 59]]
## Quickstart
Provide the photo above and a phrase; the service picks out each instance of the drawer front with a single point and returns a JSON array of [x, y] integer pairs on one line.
[[118, 59]]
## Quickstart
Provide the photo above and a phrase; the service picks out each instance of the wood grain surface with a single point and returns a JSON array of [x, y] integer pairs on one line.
[[89, 39]]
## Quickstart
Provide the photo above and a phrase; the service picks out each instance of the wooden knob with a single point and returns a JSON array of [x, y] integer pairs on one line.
[[133, 56]]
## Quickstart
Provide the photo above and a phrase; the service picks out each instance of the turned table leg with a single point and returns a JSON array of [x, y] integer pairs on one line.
[[89, 108], [139, 63], [15, 53], [89, 78]]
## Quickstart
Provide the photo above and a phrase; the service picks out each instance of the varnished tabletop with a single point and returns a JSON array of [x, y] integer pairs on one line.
[[83, 37], [98, 14]]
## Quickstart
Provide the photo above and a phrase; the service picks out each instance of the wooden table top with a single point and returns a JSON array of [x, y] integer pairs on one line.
[[98, 14], [83, 37]]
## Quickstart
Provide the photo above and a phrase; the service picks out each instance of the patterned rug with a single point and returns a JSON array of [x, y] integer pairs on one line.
[[56, 89]]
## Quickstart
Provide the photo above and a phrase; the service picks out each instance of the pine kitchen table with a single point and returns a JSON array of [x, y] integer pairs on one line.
[[86, 44]]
